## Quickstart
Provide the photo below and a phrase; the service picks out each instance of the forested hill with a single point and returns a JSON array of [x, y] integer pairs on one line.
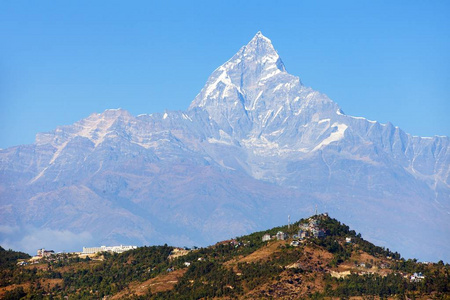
[[9, 258], [315, 258]]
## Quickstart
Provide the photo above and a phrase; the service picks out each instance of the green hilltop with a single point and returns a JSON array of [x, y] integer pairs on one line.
[[317, 258]]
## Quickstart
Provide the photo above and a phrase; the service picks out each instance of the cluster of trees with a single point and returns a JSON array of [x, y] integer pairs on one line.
[[10, 273], [89, 279], [15, 294], [370, 284], [255, 274], [436, 282], [209, 279], [204, 279], [117, 271], [336, 232], [8, 258]]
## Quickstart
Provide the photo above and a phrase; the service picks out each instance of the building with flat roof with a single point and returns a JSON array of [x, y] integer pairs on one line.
[[45, 253], [115, 249]]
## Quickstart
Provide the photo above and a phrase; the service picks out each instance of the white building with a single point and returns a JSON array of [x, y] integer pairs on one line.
[[295, 243], [417, 277], [281, 236], [115, 249], [45, 253], [266, 238]]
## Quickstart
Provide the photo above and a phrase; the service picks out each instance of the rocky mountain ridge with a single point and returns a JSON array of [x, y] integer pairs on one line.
[[254, 146]]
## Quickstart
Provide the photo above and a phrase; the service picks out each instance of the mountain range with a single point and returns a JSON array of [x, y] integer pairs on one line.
[[254, 146]]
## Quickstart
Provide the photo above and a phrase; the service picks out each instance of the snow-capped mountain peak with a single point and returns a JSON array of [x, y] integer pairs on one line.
[[253, 93], [254, 146], [253, 65], [261, 50], [250, 86]]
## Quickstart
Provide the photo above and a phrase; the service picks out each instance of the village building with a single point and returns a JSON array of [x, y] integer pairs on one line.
[[281, 236], [311, 229], [302, 234], [266, 238], [114, 249], [313, 222], [417, 277], [45, 253], [315, 232], [304, 226], [235, 243]]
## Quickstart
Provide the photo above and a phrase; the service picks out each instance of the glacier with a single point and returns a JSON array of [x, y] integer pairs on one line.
[[254, 146]]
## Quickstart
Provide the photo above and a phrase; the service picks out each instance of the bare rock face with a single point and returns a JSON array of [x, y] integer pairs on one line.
[[254, 146]]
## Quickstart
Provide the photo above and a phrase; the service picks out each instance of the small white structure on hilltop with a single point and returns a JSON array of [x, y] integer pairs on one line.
[[266, 238], [417, 277], [115, 249], [281, 236]]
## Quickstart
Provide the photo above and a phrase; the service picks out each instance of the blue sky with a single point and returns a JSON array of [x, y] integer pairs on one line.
[[60, 61]]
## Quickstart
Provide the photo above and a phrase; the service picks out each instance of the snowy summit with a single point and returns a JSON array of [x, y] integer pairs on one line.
[[254, 146]]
